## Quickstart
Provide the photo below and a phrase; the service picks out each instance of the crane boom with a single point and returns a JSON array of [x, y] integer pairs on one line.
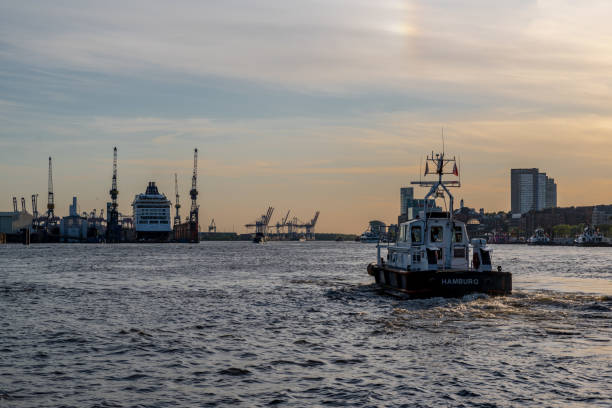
[[285, 219]]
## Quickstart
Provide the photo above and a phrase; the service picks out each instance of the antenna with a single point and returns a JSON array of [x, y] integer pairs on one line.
[[443, 150], [420, 168], [459, 169]]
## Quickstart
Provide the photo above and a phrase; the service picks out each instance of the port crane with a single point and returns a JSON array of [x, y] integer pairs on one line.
[[15, 205], [212, 227], [194, 222], [261, 225], [177, 204], [282, 224], [310, 227], [189, 231], [50, 200], [113, 229]]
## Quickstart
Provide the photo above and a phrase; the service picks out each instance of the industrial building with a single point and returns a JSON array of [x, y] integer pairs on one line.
[[531, 190], [602, 215], [12, 222]]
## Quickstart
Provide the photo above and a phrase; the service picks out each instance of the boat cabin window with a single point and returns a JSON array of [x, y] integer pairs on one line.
[[437, 233], [402, 234], [416, 234], [458, 236], [486, 257]]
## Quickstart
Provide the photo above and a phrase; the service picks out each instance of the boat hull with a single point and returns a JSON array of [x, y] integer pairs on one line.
[[425, 284]]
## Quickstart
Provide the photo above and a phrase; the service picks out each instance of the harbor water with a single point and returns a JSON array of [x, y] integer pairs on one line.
[[295, 324]]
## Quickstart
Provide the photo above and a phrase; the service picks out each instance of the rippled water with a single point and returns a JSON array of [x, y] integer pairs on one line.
[[294, 324]]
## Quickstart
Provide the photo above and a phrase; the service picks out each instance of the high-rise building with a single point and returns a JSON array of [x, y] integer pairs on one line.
[[551, 193], [531, 190], [406, 194]]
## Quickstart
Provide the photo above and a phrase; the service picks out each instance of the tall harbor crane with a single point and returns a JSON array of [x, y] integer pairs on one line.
[[193, 213], [212, 227], [50, 201], [113, 229], [177, 204], [190, 230], [23, 205], [15, 205], [194, 222]]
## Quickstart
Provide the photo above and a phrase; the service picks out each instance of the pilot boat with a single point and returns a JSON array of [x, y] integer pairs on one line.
[[539, 237], [433, 256], [590, 237]]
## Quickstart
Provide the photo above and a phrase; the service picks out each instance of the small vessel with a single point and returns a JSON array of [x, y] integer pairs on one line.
[[590, 237], [369, 237], [433, 255], [539, 237]]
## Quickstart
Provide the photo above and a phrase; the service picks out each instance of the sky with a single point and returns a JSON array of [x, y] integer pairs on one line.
[[305, 105]]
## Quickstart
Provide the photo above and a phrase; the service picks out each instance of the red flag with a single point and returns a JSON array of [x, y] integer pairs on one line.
[[426, 168], [455, 170]]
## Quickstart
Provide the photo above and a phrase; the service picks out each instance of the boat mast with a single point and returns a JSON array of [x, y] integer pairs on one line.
[[440, 186]]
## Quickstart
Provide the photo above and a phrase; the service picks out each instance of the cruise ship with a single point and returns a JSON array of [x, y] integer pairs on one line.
[[152, 215]]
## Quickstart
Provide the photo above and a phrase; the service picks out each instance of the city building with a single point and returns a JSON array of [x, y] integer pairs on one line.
[[73, 228], [152, 215], [531, 190], [410, 206], [602, 215], [551, 193], [406, 195]]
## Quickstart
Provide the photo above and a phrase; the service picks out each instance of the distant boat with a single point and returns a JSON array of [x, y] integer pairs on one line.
[[369, 237], [591, 237], [538, 238]]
